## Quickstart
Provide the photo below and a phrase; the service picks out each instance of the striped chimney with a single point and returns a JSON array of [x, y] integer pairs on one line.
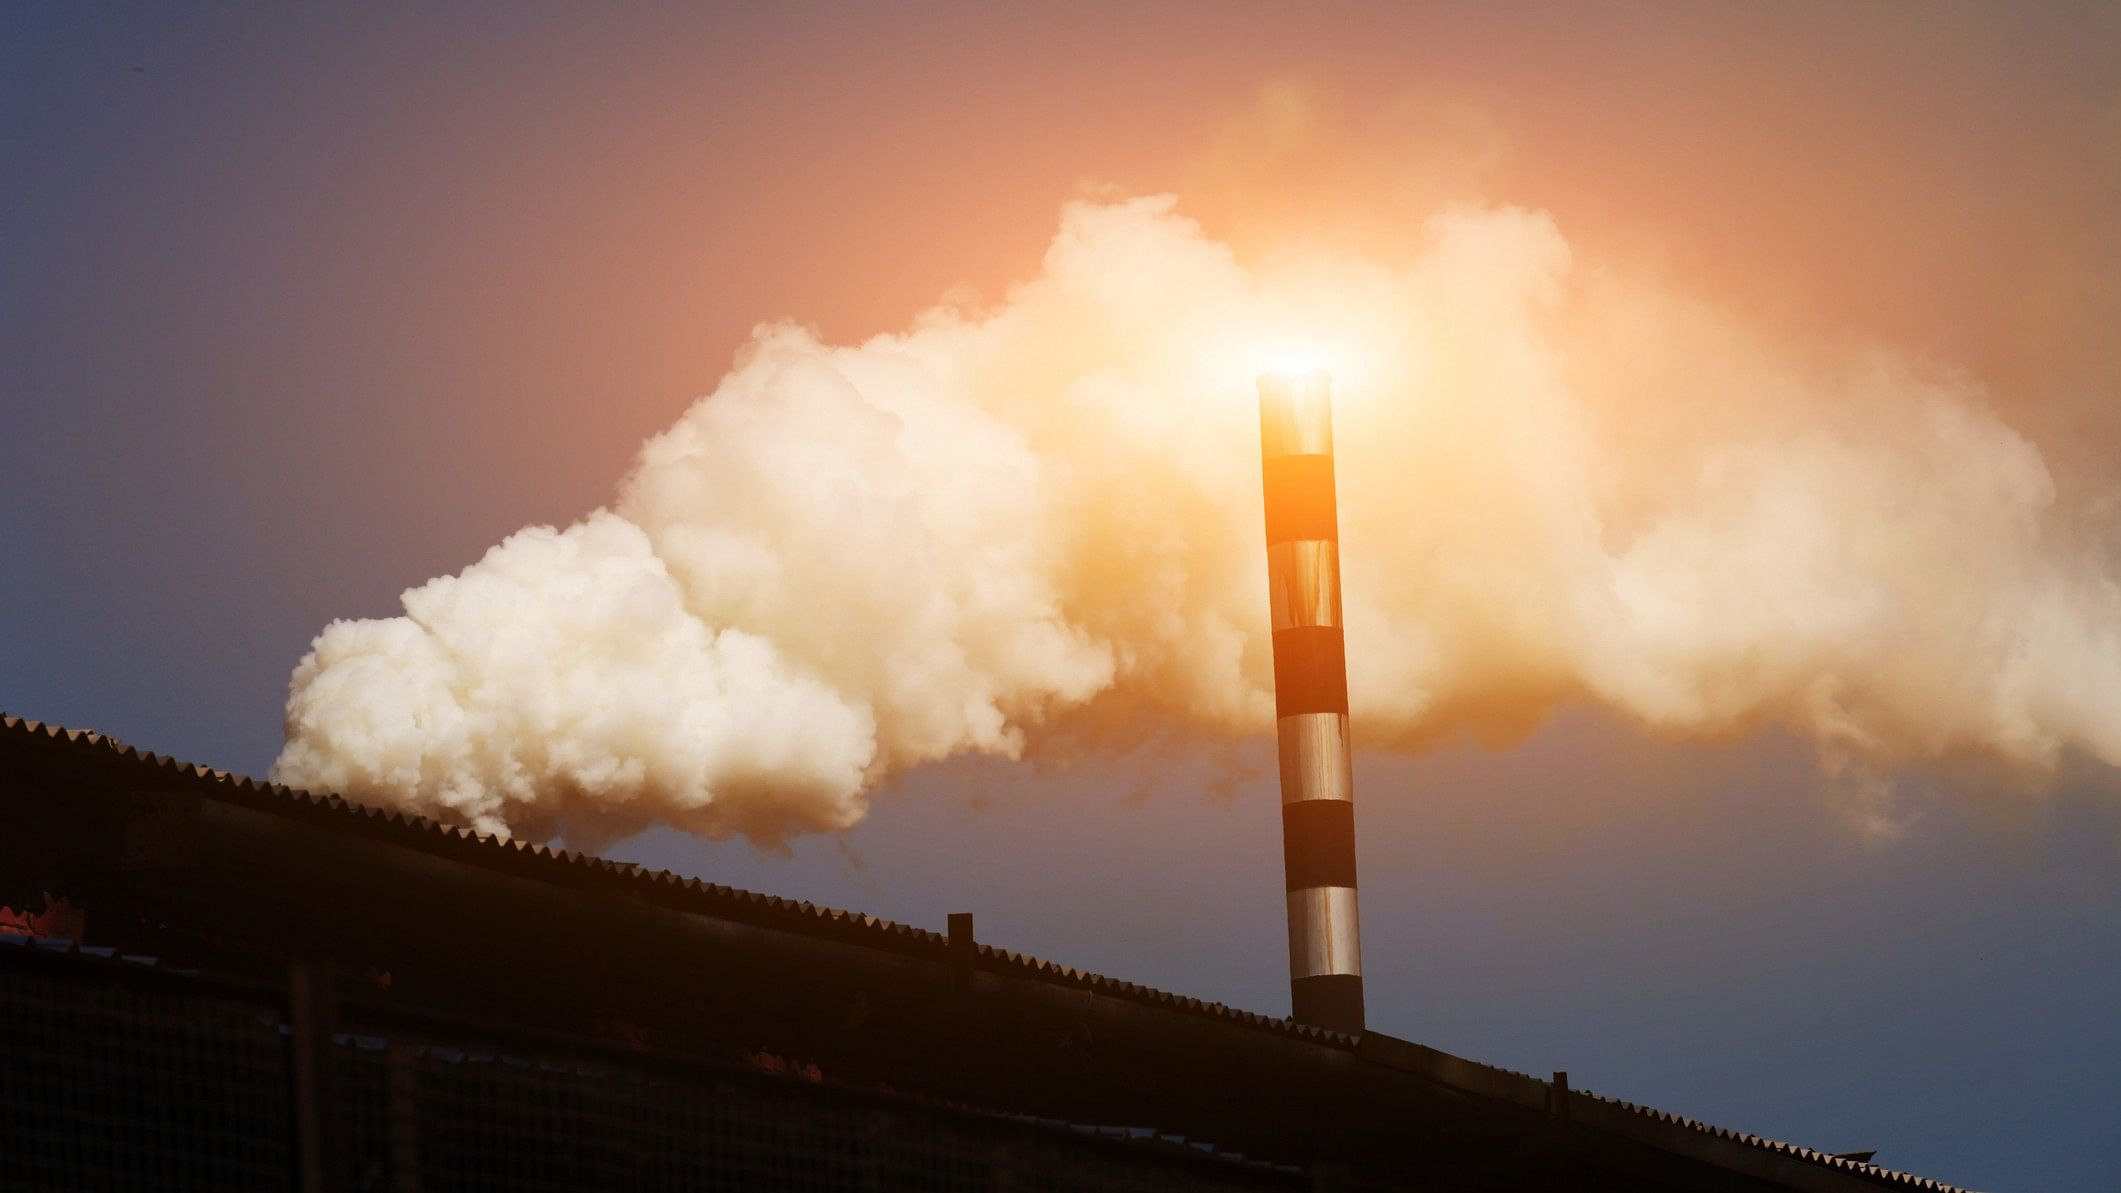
[[1311, 699]]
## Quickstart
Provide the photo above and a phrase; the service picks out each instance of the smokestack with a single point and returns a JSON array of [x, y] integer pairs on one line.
[[1311, 699]]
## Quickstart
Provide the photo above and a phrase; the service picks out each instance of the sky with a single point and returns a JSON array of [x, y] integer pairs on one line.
[[301, 308]]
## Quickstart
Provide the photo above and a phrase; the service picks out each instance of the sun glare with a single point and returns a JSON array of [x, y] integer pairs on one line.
[[1340, 352], [1294, 360]]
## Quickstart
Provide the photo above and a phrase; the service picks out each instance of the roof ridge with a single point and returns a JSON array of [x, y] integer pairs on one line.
[[509, 850], [497, 847]]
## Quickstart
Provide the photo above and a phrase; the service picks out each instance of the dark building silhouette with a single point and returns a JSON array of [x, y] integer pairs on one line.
[[208, 982]]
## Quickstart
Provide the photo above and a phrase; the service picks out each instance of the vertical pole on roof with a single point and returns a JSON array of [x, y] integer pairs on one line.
[[963, 951]]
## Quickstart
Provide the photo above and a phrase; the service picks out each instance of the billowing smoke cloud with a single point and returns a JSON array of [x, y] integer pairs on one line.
[[1558, 483]]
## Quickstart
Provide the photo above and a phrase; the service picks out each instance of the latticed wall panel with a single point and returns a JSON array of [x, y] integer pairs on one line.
[[108, 1083], [110, 1086]]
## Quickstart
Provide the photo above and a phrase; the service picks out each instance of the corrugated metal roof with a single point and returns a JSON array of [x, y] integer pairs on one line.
[[691, 894]]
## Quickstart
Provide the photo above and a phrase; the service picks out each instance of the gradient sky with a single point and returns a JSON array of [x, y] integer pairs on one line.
[[301, 307]]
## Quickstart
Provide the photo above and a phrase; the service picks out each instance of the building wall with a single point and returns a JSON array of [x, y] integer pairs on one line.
[[114, 1075]]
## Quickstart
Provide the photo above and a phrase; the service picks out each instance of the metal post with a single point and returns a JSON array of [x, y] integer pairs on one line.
[[963, 952], [1311, 699], [404, 1117], [312, 1018]]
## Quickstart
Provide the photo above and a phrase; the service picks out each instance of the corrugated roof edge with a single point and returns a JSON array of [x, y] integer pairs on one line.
[[691, 894], [675, 890]]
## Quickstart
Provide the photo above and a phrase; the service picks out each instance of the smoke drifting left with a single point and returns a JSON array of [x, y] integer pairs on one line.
[[1558, 482]]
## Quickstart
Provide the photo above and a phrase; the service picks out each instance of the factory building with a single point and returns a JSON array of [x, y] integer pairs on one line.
[[208, 982]]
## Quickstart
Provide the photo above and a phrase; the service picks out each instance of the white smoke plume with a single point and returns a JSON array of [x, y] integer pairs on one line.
[[1557, 483]]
